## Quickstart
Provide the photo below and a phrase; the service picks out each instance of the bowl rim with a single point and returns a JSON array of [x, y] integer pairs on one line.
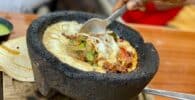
[[69, 71]]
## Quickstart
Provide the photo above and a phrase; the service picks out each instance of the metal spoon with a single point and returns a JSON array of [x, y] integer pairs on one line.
[[170, 94], [96, 25]]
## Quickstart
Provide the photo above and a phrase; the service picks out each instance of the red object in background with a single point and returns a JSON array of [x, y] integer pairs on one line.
[[151, 15]]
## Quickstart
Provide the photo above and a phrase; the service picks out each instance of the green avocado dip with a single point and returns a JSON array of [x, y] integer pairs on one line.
[[4, 30]]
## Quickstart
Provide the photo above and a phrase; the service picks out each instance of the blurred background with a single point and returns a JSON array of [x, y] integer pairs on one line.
[[44, 6], [180, 17]]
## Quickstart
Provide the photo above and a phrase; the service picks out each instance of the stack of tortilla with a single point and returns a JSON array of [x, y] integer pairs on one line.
[[15, 61]]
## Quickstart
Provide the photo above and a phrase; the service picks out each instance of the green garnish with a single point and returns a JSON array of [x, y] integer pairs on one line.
[[82, 46], [82, 49], [90, 56]]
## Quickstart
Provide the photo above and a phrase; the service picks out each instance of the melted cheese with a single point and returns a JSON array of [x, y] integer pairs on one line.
[[55, 42]]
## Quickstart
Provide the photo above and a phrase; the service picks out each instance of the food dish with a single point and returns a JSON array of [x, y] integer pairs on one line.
[[53, 75], [88, 51]]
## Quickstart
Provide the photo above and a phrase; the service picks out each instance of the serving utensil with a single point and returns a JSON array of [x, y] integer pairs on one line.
[[98, 26], [170, 94]]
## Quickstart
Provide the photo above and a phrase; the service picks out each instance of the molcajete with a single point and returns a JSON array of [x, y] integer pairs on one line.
[[53, 75]]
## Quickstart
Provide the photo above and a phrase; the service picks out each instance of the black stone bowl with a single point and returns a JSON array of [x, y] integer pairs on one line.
[[53, 75]]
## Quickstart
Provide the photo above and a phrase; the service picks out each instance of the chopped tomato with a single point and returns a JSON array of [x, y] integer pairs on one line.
[[124, 55]]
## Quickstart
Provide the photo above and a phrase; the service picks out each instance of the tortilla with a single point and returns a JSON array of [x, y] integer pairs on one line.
[[15, 60]]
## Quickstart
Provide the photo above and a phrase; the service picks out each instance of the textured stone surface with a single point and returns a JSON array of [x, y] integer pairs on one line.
[[16, 90], [53, 75]]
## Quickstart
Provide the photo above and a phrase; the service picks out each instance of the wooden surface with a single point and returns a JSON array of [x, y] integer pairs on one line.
[[16, 90], [177, 58], [176, 49], [1, 85]]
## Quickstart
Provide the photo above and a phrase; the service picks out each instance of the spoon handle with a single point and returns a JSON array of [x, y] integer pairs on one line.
[[170, 94], [117, 13], [121, 10]]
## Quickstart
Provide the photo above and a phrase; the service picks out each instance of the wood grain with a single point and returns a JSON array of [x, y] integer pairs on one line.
[[177, 58], [176, 49]]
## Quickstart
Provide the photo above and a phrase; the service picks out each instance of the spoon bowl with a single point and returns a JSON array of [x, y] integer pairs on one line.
[[95, 25]]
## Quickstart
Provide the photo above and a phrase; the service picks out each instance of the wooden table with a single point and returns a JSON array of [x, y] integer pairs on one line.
[[176, 49]]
